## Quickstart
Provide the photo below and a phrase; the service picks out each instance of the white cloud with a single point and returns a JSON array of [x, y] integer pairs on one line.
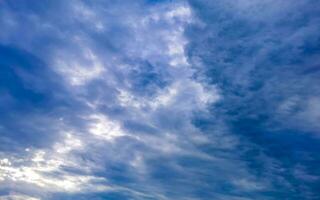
[[105, 128], [18, 197], [98, 139], [79, 70]]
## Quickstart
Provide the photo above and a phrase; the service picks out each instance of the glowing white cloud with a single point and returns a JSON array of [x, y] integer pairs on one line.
[[104, 127]]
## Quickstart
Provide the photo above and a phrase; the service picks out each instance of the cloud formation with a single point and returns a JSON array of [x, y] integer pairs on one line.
[[159, 100]]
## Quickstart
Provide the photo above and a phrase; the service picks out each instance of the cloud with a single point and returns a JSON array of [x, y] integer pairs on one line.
[[259, 53], [255, 53], [119, 76], [157, 100], [17, 197]]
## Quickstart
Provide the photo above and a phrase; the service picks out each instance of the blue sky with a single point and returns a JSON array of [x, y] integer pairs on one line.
[[159, 99]]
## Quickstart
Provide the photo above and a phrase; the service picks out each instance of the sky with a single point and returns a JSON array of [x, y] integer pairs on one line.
[[159, 100]]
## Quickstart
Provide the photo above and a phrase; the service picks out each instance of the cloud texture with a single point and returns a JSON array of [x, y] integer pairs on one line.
[[159, 100]]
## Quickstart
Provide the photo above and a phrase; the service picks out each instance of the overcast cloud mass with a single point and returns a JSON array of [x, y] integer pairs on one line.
[[159, 100]]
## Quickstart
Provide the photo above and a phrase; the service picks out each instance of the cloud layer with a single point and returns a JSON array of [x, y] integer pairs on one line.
[[159, 100]]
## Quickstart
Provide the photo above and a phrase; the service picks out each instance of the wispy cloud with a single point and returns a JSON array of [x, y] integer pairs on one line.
[[158, 100]]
